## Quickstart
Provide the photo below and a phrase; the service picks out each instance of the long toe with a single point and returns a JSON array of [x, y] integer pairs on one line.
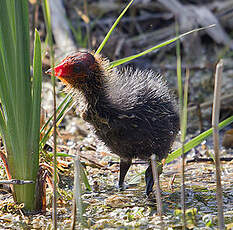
[[122, 187]]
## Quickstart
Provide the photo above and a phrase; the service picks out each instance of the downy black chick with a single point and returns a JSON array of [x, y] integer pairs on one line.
[[132, 111]]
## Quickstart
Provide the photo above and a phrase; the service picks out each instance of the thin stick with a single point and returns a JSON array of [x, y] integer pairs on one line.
[[54, 140], [227, 159], [15, 181], [183, 188], [215, 121], [199, 114], [183, 136], [183, 119], [158, 192], [207, 104], [74, 211], [77, 193], [54, 154], [46, 9]]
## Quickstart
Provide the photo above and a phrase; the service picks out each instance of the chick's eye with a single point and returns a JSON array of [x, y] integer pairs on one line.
[[79, 68]]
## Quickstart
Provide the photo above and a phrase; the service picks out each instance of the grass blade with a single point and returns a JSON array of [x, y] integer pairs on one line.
[[197, 140], [112, 28], [178, 71], [57, 111], [183, 101], [7, 50], [185, 108], [84, 178], [36, 95], [130, 58], [58, 120]]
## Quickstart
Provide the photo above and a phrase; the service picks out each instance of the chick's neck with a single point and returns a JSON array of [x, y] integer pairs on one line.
[[91, 94]]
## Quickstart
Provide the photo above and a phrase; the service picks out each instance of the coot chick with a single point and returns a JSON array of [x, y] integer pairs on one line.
[[130, 110]]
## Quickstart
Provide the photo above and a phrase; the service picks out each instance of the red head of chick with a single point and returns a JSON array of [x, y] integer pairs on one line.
[[132, 111]]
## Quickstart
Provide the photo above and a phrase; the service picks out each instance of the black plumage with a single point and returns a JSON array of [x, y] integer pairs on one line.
[[132, 111]]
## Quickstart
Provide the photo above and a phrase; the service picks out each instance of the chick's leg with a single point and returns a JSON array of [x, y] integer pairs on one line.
[[124, 167], [149, 180]]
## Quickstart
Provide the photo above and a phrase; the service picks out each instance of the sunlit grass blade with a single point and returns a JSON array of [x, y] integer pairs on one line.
[[7, 59], [23, 100], [84, 178], [36, 91], [58, 111], [58, 120], [2, 125], [183, 103], [3, 128], [197, 140], [130, 58], [178, 71], [112, 28], [185, 108]]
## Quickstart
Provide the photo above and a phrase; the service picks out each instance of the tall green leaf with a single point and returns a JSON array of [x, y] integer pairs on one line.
[[20, 102], [36, 97]]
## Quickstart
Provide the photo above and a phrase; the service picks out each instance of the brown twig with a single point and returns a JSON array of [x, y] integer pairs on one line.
[[48, 3], [200, 160], [15, 181], [77, 202], [93, 162], [133, 163], [199, 113], [183, 136], [158, 192], [210, 103], [74, 214], [215, 121]]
